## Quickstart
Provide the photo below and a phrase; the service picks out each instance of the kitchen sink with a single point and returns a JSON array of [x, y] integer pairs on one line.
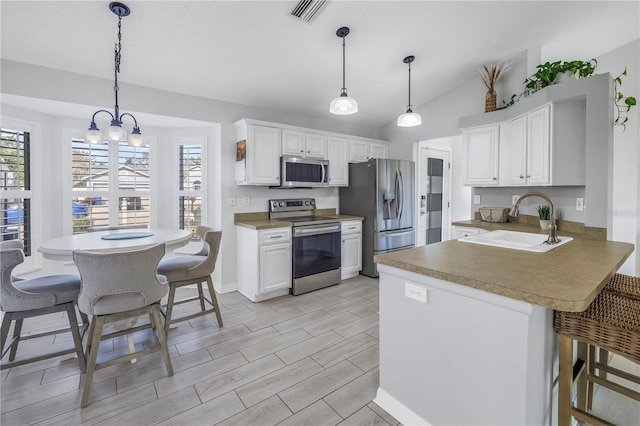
[[515, 240]]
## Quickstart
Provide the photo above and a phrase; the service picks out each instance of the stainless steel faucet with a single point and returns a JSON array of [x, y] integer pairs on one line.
[[553, 229]]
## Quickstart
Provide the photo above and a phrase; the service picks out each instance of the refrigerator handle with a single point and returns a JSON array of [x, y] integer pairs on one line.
[[400, 193]]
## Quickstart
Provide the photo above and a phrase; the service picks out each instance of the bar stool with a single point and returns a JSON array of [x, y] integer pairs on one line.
[[612, 323]]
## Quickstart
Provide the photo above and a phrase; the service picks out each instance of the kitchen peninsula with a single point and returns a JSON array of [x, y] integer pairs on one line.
[[480, 348]]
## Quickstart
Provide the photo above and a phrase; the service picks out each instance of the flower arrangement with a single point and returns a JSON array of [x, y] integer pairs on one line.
[[543, 212], [491, 75]]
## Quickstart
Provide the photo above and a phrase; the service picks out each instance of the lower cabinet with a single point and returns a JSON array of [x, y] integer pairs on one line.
[[351, 248], [462, 231], [263, 262]]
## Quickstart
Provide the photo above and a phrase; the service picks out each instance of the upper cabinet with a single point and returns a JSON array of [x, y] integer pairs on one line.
[[258, 154], [261, 144], [481, 151], [545, 146], [361, 150], [300, 144]]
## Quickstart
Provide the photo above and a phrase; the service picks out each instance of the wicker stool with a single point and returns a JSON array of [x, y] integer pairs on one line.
[[611, 322]]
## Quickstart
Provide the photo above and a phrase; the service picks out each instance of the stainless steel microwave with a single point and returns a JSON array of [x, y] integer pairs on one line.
[[298, 172]]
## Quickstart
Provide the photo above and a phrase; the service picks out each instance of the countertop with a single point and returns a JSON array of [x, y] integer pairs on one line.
[[569, 229], [566, 278], [267, 223]]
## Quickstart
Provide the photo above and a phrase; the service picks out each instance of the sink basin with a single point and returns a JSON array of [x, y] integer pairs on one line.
[[515, 240]]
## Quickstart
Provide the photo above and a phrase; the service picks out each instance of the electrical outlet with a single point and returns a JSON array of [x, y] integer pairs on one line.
[[246, 201], [232, 201], [415, 292], [580, 204], [514, 198], [476, 199]]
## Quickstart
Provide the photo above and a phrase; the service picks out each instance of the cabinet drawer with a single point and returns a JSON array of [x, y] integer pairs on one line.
[[351, 227], [274, 236]]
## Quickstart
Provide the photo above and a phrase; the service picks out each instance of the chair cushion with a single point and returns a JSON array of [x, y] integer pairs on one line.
[[64, 288], [177, 268]]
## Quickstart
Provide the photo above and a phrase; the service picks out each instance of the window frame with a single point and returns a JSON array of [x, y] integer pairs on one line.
[[175, 170]]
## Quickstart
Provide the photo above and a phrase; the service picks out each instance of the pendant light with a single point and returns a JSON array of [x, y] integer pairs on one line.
[[343, 104], [115, 132], [409, 118]]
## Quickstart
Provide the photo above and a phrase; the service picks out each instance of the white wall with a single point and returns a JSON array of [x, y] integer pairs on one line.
[[36, 82]]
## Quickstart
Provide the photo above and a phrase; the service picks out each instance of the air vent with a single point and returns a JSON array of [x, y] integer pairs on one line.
[[308, 10]]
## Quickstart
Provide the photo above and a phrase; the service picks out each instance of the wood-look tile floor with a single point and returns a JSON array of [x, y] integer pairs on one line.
[[294, 360]]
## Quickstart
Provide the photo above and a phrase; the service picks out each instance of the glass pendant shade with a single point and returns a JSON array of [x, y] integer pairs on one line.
[[115, 133], [343, 105], [135, 139], [93, 136], [409, 119]]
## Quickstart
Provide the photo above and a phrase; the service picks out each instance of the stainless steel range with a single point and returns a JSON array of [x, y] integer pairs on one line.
[[316, 244]]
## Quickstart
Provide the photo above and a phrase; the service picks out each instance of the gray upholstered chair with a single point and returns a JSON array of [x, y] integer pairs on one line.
[[193, 269], [119, 286], [26, 298], [113, 228]]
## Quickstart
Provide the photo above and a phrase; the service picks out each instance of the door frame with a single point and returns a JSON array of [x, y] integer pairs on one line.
[[433, 145]]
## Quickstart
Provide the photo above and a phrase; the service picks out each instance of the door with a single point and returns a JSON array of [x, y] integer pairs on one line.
[[481, 151], [275, 267], [539, 145], [435, 206], [394, 194]]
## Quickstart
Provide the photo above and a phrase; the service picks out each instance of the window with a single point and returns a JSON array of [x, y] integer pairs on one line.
[[15, 182], [105, 172], [190, 182]]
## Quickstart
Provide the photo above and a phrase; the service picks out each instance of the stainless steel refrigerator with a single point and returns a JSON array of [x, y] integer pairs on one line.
[[382, 191]]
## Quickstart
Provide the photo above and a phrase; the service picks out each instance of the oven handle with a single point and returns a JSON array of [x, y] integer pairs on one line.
[[317, 230]]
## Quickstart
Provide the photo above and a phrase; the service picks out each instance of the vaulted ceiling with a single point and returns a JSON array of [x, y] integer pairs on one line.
[[255, 53]]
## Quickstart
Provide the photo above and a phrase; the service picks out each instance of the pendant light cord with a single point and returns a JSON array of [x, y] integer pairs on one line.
[[409, 106], [344, 87], [117, 58]]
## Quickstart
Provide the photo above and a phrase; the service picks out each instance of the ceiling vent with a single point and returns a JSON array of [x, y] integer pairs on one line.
[[308, 10]]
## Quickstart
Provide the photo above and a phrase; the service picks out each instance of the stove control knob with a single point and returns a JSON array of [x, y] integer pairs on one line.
[[306, 203], [281, 203], [313, 202]]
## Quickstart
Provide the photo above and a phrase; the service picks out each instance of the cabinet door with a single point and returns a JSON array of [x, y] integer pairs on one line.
[[263, 155], [338, 156], [481, 161], [316, 146], [358, 151], [513, 148], [378, 150], [351, 254], [275, 267], [293, 143], [539, 147]]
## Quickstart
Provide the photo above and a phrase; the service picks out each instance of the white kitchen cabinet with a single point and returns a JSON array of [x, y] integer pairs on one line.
[[481, 155], [263, 262], [525, 149], [306, 145], [351, 248], [258, 154], [361, 150], [463, 231], [338, 156]]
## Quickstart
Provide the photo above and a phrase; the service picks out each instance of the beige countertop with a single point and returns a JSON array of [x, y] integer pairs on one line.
[[530, 224], [566, 278]]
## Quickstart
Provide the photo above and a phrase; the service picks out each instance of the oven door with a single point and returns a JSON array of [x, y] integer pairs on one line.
[[316, 249]]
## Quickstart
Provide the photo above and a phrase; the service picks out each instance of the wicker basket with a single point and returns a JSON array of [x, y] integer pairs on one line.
[[624, 285], [494, 214], [611, 322]]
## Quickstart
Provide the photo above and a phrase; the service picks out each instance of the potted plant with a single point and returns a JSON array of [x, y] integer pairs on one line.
[[622, 103], [490, 77], [543, 214]]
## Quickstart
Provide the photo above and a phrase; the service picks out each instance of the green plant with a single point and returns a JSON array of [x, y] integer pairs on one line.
[[543, 212], [623, 103], [583, 69]]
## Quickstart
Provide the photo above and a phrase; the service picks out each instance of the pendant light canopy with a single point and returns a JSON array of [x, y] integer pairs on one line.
[[409, 118], [343, 104], [115, 132]]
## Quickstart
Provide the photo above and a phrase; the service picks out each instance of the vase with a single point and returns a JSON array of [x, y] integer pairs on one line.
[[490, 101], [544, 224]]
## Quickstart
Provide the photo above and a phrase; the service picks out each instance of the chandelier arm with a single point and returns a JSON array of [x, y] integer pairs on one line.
[[135, 122], [93, 118]]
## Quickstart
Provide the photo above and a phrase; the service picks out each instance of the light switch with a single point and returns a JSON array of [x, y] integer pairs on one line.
[[476, 199], [232, 201], [246, 201]]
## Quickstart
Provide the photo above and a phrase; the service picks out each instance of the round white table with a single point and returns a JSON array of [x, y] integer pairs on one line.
[[62, 248]]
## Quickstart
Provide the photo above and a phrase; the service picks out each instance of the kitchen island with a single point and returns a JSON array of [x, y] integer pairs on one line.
[[466, 332]]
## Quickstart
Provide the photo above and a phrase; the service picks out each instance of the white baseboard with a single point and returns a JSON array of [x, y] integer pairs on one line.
[[225, 288], [397, 409]]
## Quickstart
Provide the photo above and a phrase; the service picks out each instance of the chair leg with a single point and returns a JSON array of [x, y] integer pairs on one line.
[[581, 383], [214, 300], [4, 333], [565, 378], [94, 337], [169, 312], [156, 322], [201, 297], [17, 329], [75, 332], [132, 347], [592, 370]]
